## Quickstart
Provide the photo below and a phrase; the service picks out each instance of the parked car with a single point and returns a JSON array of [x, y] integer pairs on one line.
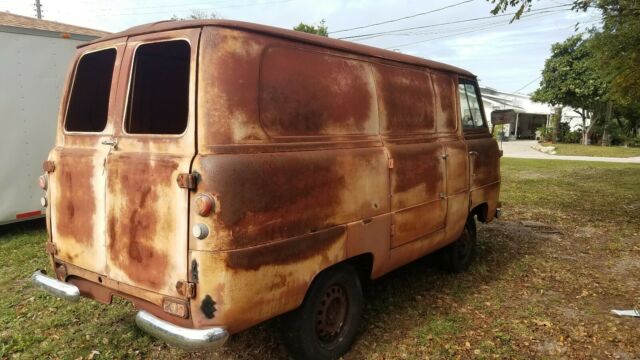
[[218, 174]]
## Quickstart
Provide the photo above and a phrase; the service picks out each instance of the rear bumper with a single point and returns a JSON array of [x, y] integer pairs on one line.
[[182, 337], [55, 287]]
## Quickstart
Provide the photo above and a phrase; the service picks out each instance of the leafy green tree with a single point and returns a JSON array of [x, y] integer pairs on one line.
[[570, 78], [616, 46], [320, 29], [523, 6], [617, 49]]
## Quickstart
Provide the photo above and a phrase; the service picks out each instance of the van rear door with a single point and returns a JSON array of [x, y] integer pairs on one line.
[[77, 185], [146, 209]]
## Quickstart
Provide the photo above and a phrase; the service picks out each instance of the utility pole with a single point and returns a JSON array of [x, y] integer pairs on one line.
[[38, 9]]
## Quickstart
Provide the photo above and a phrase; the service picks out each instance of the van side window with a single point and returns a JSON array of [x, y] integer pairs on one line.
[[406, 100], [159, 92], [445, 90], [469, 106], [305, 93], [89, 102]]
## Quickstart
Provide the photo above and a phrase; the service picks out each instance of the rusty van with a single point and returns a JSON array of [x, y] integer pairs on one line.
[[218, 174]]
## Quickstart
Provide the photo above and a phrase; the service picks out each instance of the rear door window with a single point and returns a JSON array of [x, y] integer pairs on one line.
[[89, 103], [158, 100]]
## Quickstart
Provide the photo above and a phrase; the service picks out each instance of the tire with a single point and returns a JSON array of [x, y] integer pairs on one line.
[[457, 256], [325, 325]]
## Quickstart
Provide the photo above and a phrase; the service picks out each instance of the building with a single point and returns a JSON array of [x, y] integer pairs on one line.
[[530, 115]]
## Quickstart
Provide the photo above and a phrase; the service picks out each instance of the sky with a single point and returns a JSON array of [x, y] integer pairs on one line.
[[507, 57]]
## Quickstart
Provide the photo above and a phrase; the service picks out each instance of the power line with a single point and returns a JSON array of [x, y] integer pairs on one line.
[[442, 37], [452, 35], [529, 83], [434, 32], [541, 10], [402, 18]]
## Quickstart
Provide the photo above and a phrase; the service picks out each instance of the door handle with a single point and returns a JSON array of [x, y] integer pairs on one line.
[[111, 142], [473, 153]]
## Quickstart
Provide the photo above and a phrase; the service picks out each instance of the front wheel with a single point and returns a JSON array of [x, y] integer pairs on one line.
[[325, 325], [457, 256]]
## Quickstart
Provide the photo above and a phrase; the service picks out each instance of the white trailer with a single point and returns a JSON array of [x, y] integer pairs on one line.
[[34, 58]]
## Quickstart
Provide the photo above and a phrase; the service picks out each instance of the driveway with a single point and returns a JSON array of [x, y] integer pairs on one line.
[[522, 149]]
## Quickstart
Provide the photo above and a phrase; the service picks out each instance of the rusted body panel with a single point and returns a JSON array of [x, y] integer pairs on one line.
[[312, 152]]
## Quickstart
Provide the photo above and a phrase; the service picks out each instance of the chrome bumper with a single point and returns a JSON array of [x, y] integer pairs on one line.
[[55, 287], [184, 338]]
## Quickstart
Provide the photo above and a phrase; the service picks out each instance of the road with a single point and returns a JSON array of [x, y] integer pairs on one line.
[[522, 149]]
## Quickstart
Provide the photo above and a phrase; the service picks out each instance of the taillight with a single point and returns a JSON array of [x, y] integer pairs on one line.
[[43, 182], [204, 204]]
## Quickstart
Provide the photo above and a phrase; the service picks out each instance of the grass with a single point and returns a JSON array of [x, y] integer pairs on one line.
[[542, 286], [595, 150]]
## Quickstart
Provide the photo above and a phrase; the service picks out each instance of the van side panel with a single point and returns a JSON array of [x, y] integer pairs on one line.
[[274, 196], [290, 200], [417, 186], [484, 172], [228, 78]]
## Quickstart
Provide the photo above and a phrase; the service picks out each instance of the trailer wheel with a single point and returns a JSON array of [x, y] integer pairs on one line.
[[325, 325], [457, 256]]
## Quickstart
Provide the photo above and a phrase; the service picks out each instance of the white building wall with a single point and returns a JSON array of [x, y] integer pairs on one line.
[[493, 99]]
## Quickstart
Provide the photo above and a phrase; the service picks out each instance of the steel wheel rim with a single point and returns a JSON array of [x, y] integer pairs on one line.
[[331, 314]]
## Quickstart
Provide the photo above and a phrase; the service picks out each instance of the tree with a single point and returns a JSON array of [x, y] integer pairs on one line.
[[198, 14], [570, 78], [615, 45], [617, 49], [523, 6], [320, 29]]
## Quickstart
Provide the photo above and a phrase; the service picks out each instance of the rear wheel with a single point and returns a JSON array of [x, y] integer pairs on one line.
[[325, 325], [457, 256]]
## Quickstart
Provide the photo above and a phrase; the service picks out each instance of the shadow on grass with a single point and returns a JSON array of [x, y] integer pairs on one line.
[[20, 227], [408, 301]]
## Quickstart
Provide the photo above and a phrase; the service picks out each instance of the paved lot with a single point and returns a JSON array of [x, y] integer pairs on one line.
[[522, 149]]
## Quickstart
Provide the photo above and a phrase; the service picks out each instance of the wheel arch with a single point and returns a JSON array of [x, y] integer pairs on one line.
[[481, 211]]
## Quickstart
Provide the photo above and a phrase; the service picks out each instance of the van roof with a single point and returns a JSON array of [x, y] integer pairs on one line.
[[287, 34]]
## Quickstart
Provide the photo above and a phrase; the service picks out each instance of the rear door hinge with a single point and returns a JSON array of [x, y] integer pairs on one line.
[[391, 163], [188, 181], [186, 289], [51, 248], [48, 166]]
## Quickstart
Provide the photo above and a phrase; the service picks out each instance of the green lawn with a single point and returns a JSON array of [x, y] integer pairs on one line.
[[566, 252], [595, 150]]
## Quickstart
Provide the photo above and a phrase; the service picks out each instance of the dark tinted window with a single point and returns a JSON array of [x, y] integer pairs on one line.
[[159, 94], [89, 103]]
